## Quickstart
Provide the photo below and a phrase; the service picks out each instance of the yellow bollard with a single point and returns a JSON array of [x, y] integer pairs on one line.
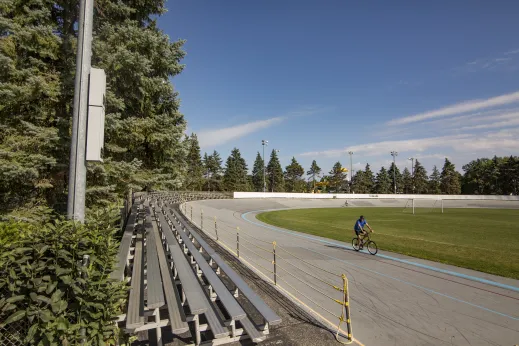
[[215, 229], [238, 241]]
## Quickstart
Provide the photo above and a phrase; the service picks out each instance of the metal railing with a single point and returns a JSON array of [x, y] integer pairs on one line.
[[282, 268]]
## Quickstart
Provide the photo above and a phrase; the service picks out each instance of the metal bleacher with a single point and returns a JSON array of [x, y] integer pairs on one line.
[[175, 280]]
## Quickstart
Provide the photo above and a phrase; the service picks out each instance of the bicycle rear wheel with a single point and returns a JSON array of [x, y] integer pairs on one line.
[[355, 244], [372, 247]]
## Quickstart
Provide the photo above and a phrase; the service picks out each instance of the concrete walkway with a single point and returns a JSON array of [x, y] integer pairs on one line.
[[395, 300]]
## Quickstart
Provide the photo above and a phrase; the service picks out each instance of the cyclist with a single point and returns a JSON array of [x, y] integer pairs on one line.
[[359, 229]]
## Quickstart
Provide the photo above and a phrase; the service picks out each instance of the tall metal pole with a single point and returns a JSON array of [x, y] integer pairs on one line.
[[351, 165], [412, 171], [77, 169], [263, 143], [394, 154]]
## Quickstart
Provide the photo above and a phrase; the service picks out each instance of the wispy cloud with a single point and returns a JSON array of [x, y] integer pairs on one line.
[[511, 52], [216, 137], [459, 108], [457, 143], [213, 138]]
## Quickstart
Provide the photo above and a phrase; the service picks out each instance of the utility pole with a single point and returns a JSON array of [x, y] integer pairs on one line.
[[77, 169], [412, 170], [394, 154], [351, 166], [263, 143]]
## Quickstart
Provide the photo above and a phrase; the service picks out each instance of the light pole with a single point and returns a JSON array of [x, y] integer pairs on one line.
[[272, 187], [263, 143], [77, 168], [394, 154], [351, 165], [412, 170]]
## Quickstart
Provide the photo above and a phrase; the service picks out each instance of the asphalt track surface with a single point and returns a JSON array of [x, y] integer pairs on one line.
[[394, 299]]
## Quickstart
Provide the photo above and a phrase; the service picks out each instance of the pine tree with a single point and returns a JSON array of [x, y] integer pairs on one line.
[[383, 184], [359, 182], [214, 169], [195, 170], [421, 182], [396, 178], [294, 177], [30, 93], [257, 174], [407, 181], [370, 179], [449, 179], [434, 182], [144, 128], [275, 181], [314, 171], [337, 178], [235, 176]]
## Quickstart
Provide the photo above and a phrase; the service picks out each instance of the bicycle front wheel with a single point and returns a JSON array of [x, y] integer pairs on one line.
[[355, 244], [372, 247]]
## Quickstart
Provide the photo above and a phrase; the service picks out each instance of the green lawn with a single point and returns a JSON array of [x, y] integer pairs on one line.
[[482, 239]]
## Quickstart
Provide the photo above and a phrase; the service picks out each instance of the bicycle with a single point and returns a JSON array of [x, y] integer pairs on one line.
[[370, 244]]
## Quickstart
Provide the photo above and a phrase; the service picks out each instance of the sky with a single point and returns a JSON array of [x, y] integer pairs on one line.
[[318, 79]]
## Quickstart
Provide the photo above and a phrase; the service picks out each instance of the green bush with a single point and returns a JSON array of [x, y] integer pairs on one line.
[[43, 282]]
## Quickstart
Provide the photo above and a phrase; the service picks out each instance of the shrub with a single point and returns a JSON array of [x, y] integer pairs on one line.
[[43, 282]]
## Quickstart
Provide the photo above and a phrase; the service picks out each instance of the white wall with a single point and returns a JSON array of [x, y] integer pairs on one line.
[[370, 196]]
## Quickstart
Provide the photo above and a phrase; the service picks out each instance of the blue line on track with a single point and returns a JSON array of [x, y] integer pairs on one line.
[[439, 270], [385, 275]]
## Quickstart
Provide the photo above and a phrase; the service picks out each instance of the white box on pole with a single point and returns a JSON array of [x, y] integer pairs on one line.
[[96, 115]]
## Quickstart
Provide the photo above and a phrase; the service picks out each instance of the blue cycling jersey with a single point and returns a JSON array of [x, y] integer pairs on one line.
[[359, 225]]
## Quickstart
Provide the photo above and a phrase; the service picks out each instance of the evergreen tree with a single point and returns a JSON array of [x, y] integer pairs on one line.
[[257, 174], [434, 182], [294, 177], [370, 179], [359, 182], [421, 182], [407, 181], [383, 184], [314, 171], [449, 179], [275, 181], [144, 128], [30, 93], [396, 177], [195, 169], [337, 178], [235, 176], [214, 169]]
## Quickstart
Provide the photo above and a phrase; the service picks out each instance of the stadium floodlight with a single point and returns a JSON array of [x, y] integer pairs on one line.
[[394, 154], [412, 170], [351, 165], [263, 143]]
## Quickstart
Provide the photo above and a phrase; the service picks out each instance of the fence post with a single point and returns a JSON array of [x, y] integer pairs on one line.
[[442, 206], [347, 306], [238, 241], [413, 206], [202, 219], [215, 228], [191, 213], [274, 262]]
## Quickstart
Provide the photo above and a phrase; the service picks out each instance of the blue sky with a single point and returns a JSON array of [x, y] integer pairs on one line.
[[320, 78]]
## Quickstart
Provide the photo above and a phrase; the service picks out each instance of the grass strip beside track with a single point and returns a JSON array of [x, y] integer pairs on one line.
[[486, 240]]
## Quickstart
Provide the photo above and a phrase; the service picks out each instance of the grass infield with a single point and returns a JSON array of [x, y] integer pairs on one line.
[[481, 239]]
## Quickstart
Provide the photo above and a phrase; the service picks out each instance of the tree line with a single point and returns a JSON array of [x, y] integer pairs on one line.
[[499, 175]]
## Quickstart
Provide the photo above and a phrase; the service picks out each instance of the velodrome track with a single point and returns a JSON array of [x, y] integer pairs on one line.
[[395, 300]]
